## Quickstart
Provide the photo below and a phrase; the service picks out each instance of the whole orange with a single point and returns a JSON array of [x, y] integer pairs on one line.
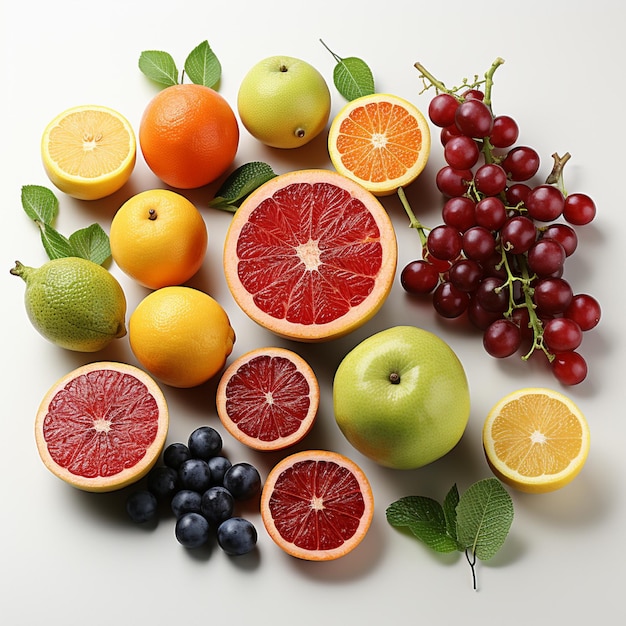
[[188, 135], [159, 238]]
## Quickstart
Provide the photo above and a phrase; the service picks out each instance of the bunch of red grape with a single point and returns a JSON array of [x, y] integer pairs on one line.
[[499, 255]]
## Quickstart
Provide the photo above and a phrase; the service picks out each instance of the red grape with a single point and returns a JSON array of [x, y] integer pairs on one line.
[[518, 234], [502, 338], [442, 108], [449, 301], [474, 119], [569, 368], [584, 310], [562, 335], [521, 163], [545, 203], [419, 277], [505, 132], [579, 209]]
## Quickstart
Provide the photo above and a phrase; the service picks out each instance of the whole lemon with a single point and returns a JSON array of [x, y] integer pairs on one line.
[[181, 335], [159, 238], [284, 102], [401, 397], [74, 303]]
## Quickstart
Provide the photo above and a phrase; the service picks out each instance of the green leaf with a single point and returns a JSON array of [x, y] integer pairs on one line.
[[202, 66], [449, 510], [352, 76], [91, 243], [39, 203], [425, 518], [484, 518], [56, 245], [240, 184], [159, 66]]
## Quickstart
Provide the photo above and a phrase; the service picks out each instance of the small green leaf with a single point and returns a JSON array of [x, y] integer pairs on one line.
[[202, 66], [56, 245], [484, 518], [91, 243], [425, 518], [240, 184], [39, 203], [352, 76], [159, 66], [449, 510]]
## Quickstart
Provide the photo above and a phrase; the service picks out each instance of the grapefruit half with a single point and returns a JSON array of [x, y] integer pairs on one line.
[[310, 255], [317, 505], [268, 398], [102, 426]]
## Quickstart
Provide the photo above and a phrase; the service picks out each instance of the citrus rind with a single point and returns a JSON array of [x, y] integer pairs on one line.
[[315, 508], [547, 481], [410, 157], [254, 389], [100, 185], [358, 314], [67, 447]]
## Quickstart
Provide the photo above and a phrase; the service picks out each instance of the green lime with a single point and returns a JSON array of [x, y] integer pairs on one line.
[[74, 303]]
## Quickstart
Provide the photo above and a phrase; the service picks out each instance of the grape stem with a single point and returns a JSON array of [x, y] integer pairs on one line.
[[556, 175], [413, 221], [440, 87]]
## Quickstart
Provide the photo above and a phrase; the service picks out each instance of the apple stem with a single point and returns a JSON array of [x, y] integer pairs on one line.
[[394, 378]]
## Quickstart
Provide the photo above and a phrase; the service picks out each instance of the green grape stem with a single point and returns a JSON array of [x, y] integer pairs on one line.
[[525, 280], [431, 81], [413, 221]]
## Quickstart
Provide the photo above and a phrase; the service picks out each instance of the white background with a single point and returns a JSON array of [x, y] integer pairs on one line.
[[74, 558]]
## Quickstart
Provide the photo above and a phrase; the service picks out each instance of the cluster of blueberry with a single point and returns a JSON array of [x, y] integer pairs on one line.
[[202, 487]]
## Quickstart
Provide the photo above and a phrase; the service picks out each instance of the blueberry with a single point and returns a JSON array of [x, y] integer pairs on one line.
[[163, 482], [236, 536], [205, 442], [242, 480], [218, 466], [195, 474], [186, 501], [192, 530], [175, 454], [141, 506], [217, 504]]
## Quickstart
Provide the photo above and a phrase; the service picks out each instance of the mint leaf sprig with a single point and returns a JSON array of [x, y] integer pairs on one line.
[[202, 67], [477, 522], [42, 206]]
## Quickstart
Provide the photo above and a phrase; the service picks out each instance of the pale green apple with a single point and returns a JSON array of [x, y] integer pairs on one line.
[[284, 102], [401, 397]]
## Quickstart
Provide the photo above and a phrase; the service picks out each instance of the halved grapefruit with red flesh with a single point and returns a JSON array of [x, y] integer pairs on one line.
[[102, 426], [310, 255], [268, 398], [317, 505]]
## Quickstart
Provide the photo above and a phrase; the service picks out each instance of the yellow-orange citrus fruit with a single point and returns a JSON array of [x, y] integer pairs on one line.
[[159, 238], [102, 426], [536, 440], [188, 135], [182, 336], [381, 141], [268, 398], [89, 151], [310, 255], [317, 505]]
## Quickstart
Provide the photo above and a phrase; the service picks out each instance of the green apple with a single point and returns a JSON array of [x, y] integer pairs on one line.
[[401, 397], [284, 102]]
